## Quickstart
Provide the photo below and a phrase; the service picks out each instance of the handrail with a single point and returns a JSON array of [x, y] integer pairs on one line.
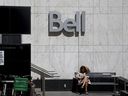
[[40, 71]]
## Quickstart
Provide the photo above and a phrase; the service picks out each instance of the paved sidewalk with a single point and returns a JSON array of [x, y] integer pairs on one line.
[[69, 93]]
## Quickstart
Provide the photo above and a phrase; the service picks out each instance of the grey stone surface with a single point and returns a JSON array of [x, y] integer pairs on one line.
[[104, 47], [67, 93]]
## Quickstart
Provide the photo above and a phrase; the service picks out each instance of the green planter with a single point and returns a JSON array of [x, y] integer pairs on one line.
[[21, 84]]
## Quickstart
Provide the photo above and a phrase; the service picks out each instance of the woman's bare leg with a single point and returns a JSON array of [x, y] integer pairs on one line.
[[86, 87], [84, 81]]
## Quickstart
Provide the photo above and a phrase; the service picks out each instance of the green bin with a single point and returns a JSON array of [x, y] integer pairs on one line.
[[21, 84]]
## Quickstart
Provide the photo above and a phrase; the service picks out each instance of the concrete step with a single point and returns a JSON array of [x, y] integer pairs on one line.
[[38, 92]]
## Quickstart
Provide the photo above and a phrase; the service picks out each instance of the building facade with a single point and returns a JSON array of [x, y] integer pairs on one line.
[[103, 48]]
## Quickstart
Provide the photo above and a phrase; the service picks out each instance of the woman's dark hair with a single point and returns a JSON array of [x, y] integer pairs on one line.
[[84, 69]]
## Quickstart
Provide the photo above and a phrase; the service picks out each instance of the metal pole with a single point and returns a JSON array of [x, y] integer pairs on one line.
[[4, 90], [43, 84]]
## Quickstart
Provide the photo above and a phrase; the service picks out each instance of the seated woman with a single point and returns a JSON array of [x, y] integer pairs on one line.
[[82, 77]]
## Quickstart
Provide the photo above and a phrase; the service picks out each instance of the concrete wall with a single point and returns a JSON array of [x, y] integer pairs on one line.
[[104, 47]]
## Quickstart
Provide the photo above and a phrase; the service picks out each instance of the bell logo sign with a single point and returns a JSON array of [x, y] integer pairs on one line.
[[69, 27]]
